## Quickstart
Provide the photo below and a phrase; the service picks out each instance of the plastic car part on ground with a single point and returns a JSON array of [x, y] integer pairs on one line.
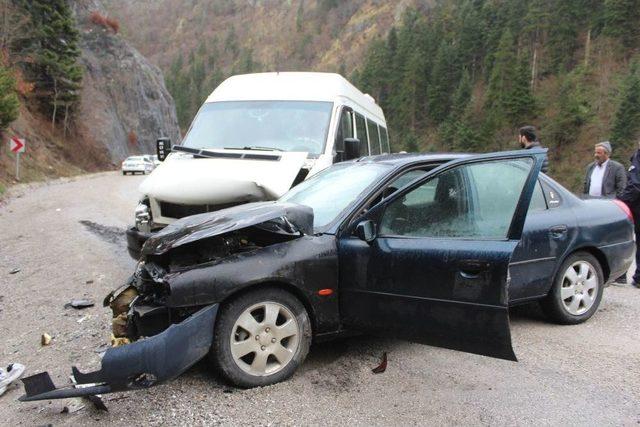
[[138, 365], [9, 375]]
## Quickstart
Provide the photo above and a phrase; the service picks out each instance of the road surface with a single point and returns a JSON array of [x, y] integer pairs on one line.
[[66, 237]]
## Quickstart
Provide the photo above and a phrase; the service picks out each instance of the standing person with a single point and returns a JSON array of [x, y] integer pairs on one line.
[[631, 196], [605, 178], [528, 139]]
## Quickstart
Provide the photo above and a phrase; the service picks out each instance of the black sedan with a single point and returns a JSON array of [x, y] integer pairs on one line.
[[430, 248]]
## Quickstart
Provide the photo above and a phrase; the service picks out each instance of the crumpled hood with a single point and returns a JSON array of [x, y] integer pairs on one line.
[[193, 181], [206, 225]]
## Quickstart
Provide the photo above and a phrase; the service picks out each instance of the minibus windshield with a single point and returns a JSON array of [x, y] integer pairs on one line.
[[261, 125]]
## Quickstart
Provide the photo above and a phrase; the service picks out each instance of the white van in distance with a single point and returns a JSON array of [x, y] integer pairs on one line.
[[255, 137]]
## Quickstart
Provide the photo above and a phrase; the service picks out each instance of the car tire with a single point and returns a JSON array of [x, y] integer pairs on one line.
[[124, 173], [274, 348], [577, 290]]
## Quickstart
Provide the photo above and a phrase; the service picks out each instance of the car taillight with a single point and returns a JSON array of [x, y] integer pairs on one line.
[[622, 205]]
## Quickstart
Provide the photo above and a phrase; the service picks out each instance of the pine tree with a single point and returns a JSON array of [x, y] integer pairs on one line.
[[621, 20], [444, 77], [574, 110], [53, 53], [626, 123], [508, 97], [453, 129], [9, 104]]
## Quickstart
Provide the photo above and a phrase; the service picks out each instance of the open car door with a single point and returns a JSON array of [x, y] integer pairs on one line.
[[430, 263]]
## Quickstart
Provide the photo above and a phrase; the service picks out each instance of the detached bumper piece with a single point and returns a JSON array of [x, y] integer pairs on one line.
[[139, 365]]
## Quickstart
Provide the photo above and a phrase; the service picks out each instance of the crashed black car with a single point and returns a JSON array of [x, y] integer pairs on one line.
[[428, 248]]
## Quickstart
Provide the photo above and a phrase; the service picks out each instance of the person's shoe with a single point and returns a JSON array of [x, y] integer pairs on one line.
[[9, 375]]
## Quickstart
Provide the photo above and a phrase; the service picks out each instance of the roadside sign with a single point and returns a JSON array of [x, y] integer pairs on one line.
[[17, 145]]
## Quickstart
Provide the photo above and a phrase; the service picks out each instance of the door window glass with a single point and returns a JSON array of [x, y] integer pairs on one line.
[[384, 138], [474, 200], [374, 138], [361, 131], [538, 203]]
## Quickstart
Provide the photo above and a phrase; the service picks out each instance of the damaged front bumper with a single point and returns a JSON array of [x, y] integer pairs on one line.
[[139, 365]]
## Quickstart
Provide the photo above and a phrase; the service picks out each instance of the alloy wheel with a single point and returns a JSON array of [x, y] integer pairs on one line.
[[264, 338], [579, 288]]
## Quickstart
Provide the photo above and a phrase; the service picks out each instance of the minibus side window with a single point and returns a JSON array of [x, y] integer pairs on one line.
[[374, 138], [384, 137], [361, 134]]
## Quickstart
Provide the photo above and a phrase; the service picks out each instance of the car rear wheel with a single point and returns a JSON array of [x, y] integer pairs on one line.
[[261, 338], [577, 290]]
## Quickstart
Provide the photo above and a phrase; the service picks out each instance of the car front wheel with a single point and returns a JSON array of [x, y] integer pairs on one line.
[[577, 290], [260, 338]]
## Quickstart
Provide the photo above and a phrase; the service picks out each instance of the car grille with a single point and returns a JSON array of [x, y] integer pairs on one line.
[[174, 210]]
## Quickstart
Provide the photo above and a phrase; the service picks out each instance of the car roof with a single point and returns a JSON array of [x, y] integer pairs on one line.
[[401, 159]]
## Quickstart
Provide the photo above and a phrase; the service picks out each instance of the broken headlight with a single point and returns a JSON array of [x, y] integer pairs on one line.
[[143, 217]]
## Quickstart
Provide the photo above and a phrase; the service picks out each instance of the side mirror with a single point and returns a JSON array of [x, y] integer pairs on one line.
[[366, 230], [351, 148], [163, 148]]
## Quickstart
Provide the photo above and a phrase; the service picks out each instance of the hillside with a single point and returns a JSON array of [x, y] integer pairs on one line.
[[120, 107], [450, 75], [197, 43]]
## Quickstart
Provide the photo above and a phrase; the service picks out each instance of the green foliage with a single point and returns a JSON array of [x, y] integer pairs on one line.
[[50, 55], [300, 16], [410, 142], [509, 98], [9, 104], [626, 124], [573, 109], [621, 18]]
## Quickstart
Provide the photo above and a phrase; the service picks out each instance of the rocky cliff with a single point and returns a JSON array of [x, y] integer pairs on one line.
[[125, 105]]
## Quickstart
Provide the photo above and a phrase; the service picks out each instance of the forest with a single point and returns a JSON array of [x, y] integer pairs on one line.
[[466, 75]]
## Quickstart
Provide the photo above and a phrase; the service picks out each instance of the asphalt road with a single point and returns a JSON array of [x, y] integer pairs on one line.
[[66, 237]]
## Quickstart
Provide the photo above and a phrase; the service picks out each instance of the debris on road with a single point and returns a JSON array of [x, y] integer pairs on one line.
[[95, 399], [82, 319], [72, 408], [79, 304], [117, 342], [45, 339], [382, 366], [9, 375], [14, 271]]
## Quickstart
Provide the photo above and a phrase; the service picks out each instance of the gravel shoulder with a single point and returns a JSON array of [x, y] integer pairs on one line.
[[67, 239]]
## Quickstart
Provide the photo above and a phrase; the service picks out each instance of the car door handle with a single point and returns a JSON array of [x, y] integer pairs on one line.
[[471, 268], [558, 231]]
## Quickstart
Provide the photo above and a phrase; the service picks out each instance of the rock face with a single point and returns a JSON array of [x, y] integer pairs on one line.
[[125, 105]]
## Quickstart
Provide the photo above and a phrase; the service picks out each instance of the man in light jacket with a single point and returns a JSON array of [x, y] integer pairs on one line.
[[605, 178]]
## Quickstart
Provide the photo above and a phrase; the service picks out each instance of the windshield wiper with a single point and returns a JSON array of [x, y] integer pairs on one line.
[[254, 147]]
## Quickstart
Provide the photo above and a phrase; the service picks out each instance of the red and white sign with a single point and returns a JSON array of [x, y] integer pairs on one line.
[[17, 145]]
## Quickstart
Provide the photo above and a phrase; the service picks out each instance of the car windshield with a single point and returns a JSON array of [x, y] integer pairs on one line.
[[330, 192], [276, 125]]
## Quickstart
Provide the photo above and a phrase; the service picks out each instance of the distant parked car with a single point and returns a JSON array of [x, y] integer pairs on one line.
[[133, 164], [155, 160]]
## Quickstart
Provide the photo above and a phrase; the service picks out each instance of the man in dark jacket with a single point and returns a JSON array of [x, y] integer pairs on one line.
[[605, 178], [528, 139], [631, 196]]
